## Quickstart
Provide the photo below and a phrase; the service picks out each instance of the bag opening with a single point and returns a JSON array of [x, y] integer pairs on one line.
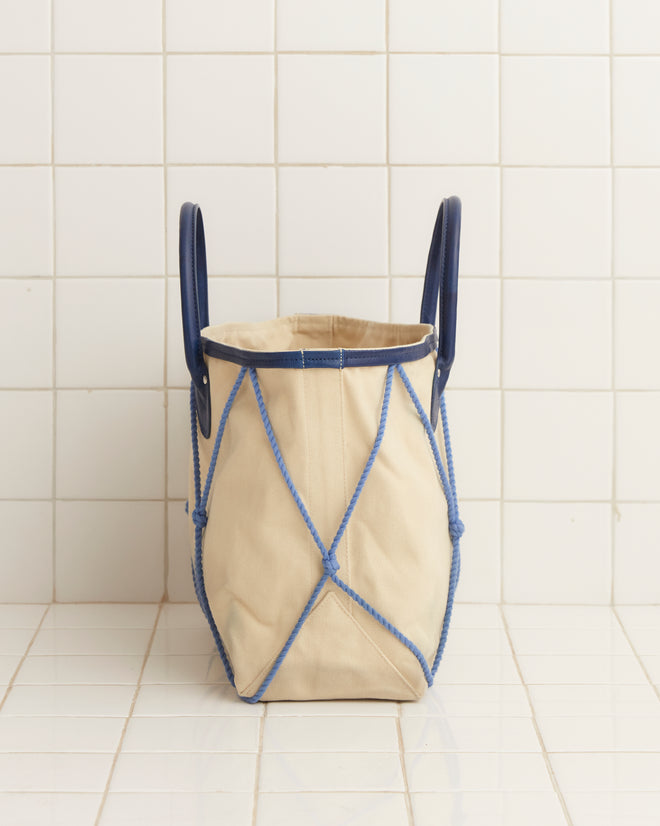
[[316, 332]]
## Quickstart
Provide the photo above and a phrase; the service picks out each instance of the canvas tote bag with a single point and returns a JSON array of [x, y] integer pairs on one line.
[[323, 516]]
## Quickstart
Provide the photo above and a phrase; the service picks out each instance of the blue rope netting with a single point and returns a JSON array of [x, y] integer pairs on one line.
[[199, 517]]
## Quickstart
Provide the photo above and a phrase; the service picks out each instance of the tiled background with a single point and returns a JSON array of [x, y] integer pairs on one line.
[[319, 138]]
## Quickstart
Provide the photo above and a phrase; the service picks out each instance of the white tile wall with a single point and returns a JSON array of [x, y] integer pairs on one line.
[[239, 206], [331, 108], [635, 81], [333, 220], [319, 138], [84, 26], [32, 309], [220, 109], [27, 28], [557, 445], [636, 242], [555, 110], [443, 26], [25, 95], [542, 29], [542, 540], [218, 26], [556, 223], [108, 109], [634, 27], [330, 25], [429, 121], [26, 242], [130, 326]]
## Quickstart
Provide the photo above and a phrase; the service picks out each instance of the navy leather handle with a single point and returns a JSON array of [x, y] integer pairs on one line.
[[195, 306], [440, 296]]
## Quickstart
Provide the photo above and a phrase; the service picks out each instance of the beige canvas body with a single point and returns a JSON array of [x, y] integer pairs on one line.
[[260, 562]]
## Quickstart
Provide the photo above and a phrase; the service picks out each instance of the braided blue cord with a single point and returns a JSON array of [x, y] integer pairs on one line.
[[456, 529], [282, 466], [429, 431], [329, 562], [387, 625], [199, 515], [196, 472], [370, 461], [287, 645], [220, 433], [195, 447], [448, 451]]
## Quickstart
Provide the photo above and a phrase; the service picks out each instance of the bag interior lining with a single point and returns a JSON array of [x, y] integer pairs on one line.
[[316, 332]]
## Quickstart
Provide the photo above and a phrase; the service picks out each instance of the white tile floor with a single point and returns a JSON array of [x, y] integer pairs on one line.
[[121, 714]]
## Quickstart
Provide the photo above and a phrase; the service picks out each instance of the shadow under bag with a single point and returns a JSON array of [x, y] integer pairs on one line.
[[322, 509]]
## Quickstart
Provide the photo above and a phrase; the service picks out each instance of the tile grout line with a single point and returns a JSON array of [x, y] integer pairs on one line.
[[494, 278], [459, 389], [54, 306], [257, 769], [546, 756], [11, 682], [501, 287], [404, 772], [170, 499], [646, 167], [128, 717], [638, 656], [53, 299], [388, 237], [166, 393], [276, 159], [340, 53], [614, 509]]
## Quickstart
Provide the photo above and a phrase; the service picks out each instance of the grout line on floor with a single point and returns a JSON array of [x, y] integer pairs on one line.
[[638, 656], [404, 771], [128, 716], [257, 770], [11, 682], [546, 756]]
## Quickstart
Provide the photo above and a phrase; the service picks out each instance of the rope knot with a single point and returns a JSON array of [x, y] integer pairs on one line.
[[330, 565], [200, 517], [456, 530]]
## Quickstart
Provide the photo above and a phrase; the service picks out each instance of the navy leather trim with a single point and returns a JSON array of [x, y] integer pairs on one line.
[[336, 359], [195, 306], [441, 293]]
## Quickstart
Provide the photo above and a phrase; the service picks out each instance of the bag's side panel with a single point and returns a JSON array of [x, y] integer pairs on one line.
[[396, 554], [400, 548], [260, 562], [334, 657]]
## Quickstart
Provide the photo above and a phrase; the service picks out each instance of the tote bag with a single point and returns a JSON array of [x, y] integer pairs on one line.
[[323, 517]]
